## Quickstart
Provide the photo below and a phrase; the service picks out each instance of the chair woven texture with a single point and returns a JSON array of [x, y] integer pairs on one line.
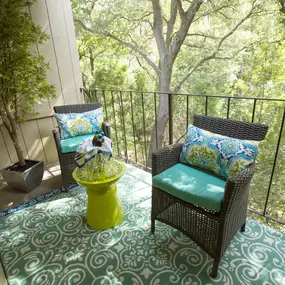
[[66, 160], [212, 231]]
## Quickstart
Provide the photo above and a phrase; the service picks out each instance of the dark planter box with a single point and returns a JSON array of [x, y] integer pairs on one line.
[[27, 180]]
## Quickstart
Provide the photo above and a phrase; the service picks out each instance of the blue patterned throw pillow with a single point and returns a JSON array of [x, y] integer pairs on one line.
[[78, 124], [225, 156]]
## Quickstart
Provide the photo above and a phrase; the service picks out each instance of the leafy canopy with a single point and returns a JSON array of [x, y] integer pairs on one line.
[[22, 68]]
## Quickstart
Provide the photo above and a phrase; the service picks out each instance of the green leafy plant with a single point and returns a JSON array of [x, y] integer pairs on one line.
[[22, 71]]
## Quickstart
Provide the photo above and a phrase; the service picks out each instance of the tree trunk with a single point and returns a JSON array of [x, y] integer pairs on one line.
[[11, 126], [158, 130], [18, 149]]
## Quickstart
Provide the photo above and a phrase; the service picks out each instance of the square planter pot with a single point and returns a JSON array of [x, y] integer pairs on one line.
[[27, 180]]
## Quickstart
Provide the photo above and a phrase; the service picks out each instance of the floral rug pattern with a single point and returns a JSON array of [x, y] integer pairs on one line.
[[49, 243]]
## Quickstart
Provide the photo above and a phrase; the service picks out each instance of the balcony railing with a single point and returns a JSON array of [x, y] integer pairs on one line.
[[133, 115]]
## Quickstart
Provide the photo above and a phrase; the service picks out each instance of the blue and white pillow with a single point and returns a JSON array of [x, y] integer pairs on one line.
[[223, 155], [78, 124]]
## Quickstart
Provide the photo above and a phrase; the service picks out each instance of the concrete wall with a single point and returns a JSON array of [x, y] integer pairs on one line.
[[55, 17]]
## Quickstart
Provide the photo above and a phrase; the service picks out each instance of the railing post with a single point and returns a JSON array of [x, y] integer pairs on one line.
[[170, 114], [105, 104], [124, 127], [143, 113], [187, 112], [96, 95], [274, 163], [115, 123], [228, 109], [155, 120], [92, 96], [85, 93], [253, 111], [133, 125]]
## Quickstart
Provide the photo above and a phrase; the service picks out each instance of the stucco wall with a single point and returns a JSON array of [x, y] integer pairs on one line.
[[55, 17]]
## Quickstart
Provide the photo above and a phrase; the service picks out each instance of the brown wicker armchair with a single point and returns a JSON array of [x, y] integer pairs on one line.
[[66, 160], [212, 231]]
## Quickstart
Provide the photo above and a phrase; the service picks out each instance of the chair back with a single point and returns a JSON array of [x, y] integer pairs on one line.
[[231, 128], [76, 108]]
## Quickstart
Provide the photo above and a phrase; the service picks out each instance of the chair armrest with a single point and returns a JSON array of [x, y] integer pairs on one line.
[[237, 187], [106, 129], [56, 137], [164, 158]]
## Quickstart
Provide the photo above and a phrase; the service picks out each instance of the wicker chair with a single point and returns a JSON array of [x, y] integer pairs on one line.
[[212, 231], [66, 160]]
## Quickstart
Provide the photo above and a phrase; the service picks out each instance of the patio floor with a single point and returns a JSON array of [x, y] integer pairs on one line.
[[10, 198], [50, 243]]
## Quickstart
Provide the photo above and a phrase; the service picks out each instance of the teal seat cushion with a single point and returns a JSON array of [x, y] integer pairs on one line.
[[192, 185], [71, 144]]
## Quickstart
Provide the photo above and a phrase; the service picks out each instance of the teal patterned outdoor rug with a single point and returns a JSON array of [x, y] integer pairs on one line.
[[50, 243]]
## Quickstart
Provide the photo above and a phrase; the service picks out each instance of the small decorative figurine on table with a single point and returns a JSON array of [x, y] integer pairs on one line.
[[94, 156], [98, 139]]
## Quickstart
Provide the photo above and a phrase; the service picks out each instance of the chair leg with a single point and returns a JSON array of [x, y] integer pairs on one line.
[[152, 225], [242, 229], [215, 268]]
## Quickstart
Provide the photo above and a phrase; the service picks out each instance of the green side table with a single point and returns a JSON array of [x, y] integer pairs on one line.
[[104, 208]]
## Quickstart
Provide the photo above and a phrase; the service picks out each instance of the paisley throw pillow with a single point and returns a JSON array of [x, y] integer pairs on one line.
[[78, 124], [225, 156]]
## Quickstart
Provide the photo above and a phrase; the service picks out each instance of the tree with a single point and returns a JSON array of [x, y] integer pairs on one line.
[[175, 26], [249, 63], [22, 73]]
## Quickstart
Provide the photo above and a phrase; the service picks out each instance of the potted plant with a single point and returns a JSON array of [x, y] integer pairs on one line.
[[22, 84]]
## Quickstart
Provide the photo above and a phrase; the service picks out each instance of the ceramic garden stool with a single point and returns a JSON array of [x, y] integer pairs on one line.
[[104, 208]]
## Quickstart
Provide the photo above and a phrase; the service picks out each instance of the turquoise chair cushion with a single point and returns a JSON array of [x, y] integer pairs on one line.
[[192, 185], [71, 144]]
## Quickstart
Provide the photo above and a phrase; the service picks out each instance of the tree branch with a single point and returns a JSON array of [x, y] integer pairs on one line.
[[122, 42], [223, 57], [282, 3], [191, 71], [213, 55], [141, 19], [158, 28], [181, 11], [186, 21], [201, 35], [249, 14], [134, 48], [181, 137], [93, 5], [144, 68], [216, 10], [6, 116], [171, 22]]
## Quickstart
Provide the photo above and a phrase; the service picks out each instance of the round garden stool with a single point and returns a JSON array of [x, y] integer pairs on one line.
[[104, 208]]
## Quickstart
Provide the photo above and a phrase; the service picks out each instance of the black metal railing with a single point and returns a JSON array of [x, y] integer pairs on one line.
[[133, 115]]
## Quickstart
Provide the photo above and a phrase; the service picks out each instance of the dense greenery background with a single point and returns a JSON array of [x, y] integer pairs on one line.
[[115, 37], [23, 69]]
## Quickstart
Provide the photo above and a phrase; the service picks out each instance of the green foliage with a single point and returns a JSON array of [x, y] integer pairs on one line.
[[249, 63], [261, 75], [109, 76], [22, 72]]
